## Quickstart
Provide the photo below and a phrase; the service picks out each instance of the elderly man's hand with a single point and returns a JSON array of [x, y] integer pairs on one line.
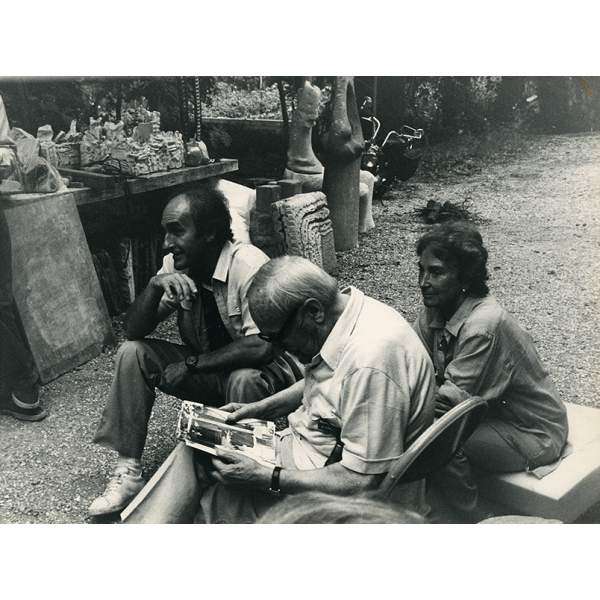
[[238, 411], [173, 375], [233, 468]]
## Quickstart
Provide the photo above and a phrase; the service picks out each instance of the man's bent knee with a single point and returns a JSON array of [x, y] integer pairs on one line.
[[131, 349], [135, 356], [247, 385]]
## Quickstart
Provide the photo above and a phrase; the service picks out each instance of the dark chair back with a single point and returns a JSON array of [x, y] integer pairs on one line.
[[436, 446]]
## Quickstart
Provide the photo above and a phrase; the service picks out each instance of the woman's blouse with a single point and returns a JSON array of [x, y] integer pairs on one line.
[[482, 351]]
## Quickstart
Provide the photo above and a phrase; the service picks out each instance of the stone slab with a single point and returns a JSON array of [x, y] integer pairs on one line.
[[567, 492]]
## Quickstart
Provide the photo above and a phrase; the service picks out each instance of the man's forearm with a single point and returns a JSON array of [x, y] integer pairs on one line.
[[142, 316], [333, 479], [284, 402], [244, 353]]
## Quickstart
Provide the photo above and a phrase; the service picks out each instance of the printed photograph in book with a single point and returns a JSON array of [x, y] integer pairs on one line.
[[204, 428]]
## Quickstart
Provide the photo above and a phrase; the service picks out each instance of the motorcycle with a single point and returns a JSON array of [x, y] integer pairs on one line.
[[397, 157]]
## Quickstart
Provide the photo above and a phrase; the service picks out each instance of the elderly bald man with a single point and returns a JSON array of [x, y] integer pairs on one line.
[[221, 360], [367, 394]]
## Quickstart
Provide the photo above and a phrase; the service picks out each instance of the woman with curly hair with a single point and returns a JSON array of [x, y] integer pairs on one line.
[[478, 349]]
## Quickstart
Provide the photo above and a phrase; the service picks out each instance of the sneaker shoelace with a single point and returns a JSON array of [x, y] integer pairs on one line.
[[116, 479]]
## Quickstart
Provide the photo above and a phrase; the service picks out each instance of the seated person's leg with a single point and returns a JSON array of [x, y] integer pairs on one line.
[[173, 493], [124, 424], [251, 385], [247, 385], [138, 370], [452, 491], [485, 449], [181, 492], [18, 376], [489, 451]]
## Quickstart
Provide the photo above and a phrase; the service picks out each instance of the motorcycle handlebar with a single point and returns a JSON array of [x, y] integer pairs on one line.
[[376, 126], [416, 134]]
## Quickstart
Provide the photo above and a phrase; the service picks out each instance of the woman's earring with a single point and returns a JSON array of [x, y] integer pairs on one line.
[[464, 291]]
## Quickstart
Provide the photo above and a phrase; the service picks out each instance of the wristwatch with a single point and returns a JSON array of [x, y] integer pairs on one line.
[[275, 489], [191, 362]]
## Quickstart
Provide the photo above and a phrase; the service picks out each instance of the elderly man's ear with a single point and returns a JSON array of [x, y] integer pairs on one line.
[[315, 309]]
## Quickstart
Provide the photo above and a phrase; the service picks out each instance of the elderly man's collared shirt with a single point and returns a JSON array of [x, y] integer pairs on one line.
[[372, 379], [483, 351], [231, 279]]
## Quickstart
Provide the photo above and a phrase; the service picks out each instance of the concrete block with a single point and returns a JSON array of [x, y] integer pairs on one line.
[[567, 492]]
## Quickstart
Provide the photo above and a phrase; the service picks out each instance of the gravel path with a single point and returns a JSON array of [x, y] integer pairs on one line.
[[538, 201]]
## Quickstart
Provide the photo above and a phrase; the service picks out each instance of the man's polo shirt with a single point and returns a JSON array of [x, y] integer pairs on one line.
[[374, 380]]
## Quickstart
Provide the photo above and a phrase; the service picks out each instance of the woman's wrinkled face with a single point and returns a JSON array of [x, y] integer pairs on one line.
[[439, 283]]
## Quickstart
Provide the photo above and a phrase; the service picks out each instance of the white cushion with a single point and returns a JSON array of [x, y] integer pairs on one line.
[[241, 200]]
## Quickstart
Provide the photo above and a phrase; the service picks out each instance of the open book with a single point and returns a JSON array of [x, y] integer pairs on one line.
[[204, 428]]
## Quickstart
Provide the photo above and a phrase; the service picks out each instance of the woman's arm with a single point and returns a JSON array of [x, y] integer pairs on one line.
[[476, 370]]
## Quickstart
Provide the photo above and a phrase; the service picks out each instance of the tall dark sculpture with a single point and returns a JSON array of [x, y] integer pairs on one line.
[[343, 145]]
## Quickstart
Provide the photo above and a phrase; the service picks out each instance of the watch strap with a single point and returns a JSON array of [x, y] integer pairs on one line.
[[275, 489], [191, 362]]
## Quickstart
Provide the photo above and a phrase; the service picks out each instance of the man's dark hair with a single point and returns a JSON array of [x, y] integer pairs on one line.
[[460, 244], [209, 210]]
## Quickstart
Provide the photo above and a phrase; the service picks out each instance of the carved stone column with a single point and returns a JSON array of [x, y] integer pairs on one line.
[[343, 145]]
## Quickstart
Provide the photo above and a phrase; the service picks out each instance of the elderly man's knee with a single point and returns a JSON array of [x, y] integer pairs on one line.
[[247, 385]]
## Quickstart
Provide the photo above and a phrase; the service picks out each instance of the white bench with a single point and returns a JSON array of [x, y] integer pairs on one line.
[[567, 492]]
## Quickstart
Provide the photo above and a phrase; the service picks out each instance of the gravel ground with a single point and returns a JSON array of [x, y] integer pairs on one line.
[[537, 199]]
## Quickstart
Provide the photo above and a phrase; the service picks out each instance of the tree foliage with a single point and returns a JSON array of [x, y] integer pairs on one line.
[[56, 101], [443, 106]]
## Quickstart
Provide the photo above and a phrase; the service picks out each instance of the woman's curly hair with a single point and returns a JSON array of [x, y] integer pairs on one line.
[[460, 244]]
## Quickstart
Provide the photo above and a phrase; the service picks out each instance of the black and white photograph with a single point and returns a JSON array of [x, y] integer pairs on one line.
[[392, 269], [389, 266]]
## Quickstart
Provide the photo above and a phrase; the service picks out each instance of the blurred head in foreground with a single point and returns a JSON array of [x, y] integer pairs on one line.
[[317, 507]]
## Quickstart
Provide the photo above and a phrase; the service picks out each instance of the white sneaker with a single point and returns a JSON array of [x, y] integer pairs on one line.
[[122, 488]]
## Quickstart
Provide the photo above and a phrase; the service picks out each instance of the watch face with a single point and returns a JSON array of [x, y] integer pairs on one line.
[[190, 362]]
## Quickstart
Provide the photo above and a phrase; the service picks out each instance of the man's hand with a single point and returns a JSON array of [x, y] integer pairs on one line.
[[176, 285], [233, 468], [173, 375], [238, 410]]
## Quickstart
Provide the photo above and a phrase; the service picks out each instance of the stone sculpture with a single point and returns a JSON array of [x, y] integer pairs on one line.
[[301, 158], [302, 163], [343, 145], [304, 228]]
